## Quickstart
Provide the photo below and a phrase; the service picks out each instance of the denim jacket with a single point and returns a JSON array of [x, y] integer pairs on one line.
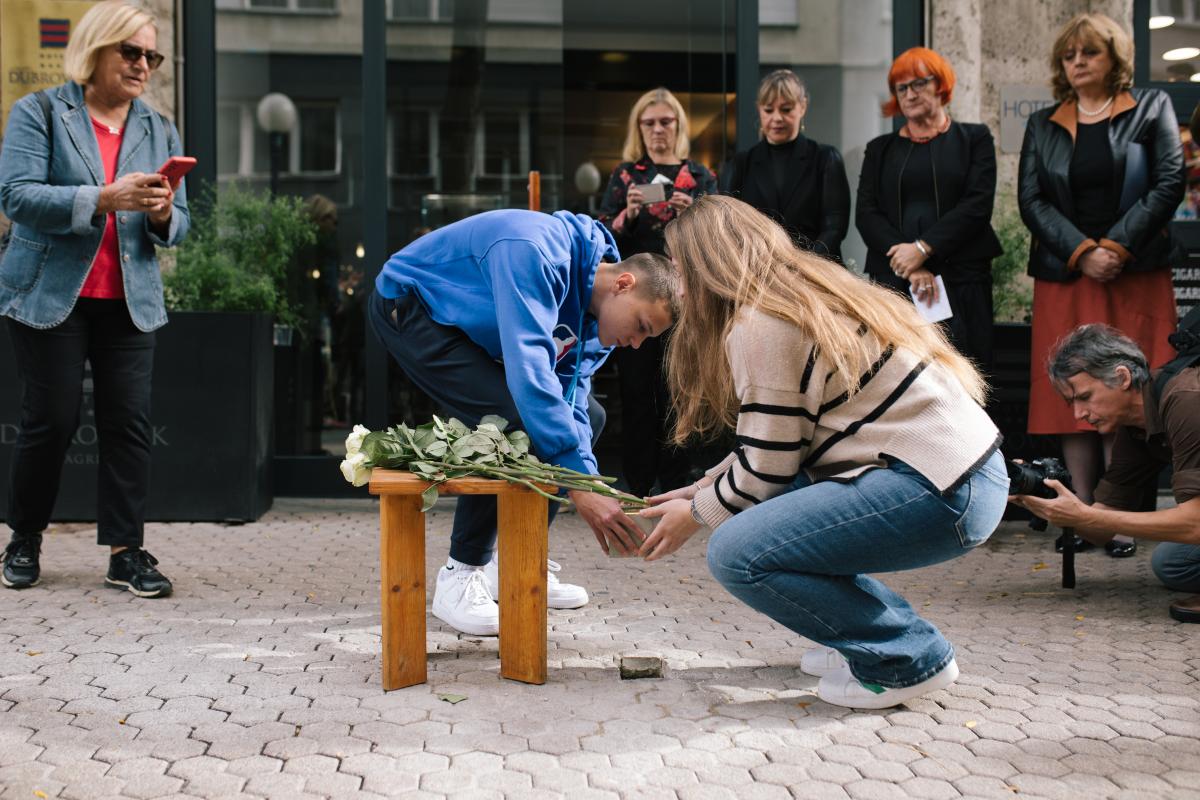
[[56, 231]]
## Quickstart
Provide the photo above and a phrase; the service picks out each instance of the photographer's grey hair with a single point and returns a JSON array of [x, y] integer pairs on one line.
[[1098, 350]]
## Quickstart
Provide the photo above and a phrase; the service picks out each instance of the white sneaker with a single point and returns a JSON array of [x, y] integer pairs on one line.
[[843, 689], [461, 600], [558, 595], [822, 661]]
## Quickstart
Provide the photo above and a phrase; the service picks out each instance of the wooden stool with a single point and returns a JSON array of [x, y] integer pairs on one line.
[[521, 546]]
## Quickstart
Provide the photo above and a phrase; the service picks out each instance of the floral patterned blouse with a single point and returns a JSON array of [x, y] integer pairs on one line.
[[644, 233]]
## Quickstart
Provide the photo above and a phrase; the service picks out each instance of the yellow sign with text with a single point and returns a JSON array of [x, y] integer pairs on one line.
[[33, 38]]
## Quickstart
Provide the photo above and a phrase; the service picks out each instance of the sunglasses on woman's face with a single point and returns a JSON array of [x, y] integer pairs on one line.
[[132, 53]]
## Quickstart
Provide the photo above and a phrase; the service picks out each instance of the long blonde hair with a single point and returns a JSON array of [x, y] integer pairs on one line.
[[635, 147], [732, 257]]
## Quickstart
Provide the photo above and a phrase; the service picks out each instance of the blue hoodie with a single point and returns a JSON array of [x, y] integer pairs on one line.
[[518, 283]]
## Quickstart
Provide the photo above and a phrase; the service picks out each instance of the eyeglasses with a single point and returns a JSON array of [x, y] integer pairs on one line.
[[662, 122], [132, 53], [915, 86]]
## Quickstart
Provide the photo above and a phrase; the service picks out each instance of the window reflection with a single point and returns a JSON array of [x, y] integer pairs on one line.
[[1175, 40]]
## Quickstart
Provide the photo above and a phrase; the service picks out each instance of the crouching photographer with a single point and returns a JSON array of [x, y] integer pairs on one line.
[[1104, 376]]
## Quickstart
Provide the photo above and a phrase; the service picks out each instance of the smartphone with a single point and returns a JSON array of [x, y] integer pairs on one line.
[[175, 168], [653, 192]]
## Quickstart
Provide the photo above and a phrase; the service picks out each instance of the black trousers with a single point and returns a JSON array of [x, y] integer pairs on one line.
[[467, 384], [50, 365], [646, 455]]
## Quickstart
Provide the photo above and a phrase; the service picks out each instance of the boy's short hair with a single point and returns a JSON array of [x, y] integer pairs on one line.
[[658, 279]]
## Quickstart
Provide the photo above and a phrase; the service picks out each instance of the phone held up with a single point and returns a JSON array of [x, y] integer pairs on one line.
[[175, 168], [653, 192]]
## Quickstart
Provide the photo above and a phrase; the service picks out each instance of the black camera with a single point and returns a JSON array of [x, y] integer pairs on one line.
[[1026, 478]]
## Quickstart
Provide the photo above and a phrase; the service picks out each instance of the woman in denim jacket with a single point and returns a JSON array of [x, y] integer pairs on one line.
[[79, 281]]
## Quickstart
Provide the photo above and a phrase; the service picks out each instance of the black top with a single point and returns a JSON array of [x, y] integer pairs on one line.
[[919, 210], [956, 173], [801, 185], [780, 155], [1091, 180]]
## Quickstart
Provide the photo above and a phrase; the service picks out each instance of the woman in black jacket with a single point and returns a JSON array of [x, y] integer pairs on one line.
[[925, 202], [792, 179], [1101, 175], [655, 156]]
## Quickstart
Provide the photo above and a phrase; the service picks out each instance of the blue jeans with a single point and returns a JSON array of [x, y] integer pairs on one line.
[[1177, 566], [466, 383], [801, 558]]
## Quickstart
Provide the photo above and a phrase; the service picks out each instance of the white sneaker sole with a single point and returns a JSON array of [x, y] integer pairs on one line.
[[109, 582], [831, 689], [471, 629], [12, 585]]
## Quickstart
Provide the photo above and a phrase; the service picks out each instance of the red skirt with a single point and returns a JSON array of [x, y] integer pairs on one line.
[[1139, 304]]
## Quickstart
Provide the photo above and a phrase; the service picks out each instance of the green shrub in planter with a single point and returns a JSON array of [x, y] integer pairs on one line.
[[238, 253], [1012, 289]]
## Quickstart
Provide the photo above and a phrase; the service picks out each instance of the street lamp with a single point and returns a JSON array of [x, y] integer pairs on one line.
[[277, 116]]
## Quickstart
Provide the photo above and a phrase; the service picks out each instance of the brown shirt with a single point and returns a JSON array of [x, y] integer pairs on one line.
[[1171, 437]]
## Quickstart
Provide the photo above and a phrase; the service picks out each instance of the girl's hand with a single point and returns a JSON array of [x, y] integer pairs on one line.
[[682, 493], [675, 527]]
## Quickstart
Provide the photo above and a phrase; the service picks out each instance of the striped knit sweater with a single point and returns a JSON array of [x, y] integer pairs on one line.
[[795, 415]]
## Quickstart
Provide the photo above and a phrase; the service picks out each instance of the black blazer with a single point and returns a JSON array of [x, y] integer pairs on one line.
[[815, 204], [1144, 136], [964, 167]]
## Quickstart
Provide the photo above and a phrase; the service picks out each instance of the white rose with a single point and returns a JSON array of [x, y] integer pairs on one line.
[[355, 470], [355, 439]]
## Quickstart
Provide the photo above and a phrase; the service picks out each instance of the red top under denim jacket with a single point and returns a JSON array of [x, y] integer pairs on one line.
[[104, 281]]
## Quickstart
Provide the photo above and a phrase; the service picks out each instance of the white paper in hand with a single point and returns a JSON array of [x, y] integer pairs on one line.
[[939, 310]]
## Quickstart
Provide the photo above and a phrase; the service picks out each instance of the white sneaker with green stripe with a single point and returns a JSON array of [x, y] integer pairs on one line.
[[843, 689]]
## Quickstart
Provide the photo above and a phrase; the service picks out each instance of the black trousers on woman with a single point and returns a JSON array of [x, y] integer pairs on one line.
[[50, 366], [646, 455]]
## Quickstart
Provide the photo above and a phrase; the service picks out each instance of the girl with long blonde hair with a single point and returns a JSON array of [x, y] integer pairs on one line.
[[862, 447]]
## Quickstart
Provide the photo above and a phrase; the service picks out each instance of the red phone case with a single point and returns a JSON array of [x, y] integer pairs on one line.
[[176, 167]]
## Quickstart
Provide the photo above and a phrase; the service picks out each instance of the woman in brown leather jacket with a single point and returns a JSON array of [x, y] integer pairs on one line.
[[1101, 174]]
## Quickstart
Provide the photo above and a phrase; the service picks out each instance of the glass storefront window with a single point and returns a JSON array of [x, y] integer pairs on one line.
[[1175, 41], [311, 51]]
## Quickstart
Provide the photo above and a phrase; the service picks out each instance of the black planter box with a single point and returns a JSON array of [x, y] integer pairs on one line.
[[211, 419]]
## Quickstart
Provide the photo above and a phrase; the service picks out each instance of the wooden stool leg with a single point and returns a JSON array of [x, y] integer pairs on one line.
[[402, 585], [521, 523]]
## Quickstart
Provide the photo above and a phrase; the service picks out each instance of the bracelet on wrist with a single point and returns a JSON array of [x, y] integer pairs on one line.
[[920, 246]]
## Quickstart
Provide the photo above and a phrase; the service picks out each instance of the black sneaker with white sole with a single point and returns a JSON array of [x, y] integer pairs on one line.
[[22, 567], [135, 570]]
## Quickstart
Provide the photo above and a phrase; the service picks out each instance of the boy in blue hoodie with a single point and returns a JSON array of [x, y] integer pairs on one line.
[[511, 313]]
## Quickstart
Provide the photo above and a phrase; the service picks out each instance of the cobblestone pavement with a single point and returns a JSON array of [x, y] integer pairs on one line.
[[260, 678]]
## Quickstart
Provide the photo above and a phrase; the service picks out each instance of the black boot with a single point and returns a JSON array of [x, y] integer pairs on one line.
[[1081, 545], [22, 567]]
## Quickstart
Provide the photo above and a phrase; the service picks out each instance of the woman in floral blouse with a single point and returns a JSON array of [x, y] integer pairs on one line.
[[656, 152]]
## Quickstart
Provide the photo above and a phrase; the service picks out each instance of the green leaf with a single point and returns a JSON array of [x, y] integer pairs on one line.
[[519, 441], [452, 699], [491, 419], [457, 427], [437, 449], [429, 497]]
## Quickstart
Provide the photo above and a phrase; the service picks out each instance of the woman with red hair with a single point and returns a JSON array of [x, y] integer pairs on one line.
[[925, 202]]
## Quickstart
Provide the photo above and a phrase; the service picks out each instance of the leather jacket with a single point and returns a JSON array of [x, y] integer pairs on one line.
[[1145, 138]]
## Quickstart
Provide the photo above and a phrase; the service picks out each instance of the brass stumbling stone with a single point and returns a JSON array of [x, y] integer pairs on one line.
[[521, 551]]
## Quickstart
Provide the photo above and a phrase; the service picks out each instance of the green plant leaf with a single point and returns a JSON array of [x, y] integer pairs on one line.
[[491, 419], [429, 497]]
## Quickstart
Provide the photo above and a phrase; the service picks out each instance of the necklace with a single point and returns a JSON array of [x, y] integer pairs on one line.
[[1098, 111]]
